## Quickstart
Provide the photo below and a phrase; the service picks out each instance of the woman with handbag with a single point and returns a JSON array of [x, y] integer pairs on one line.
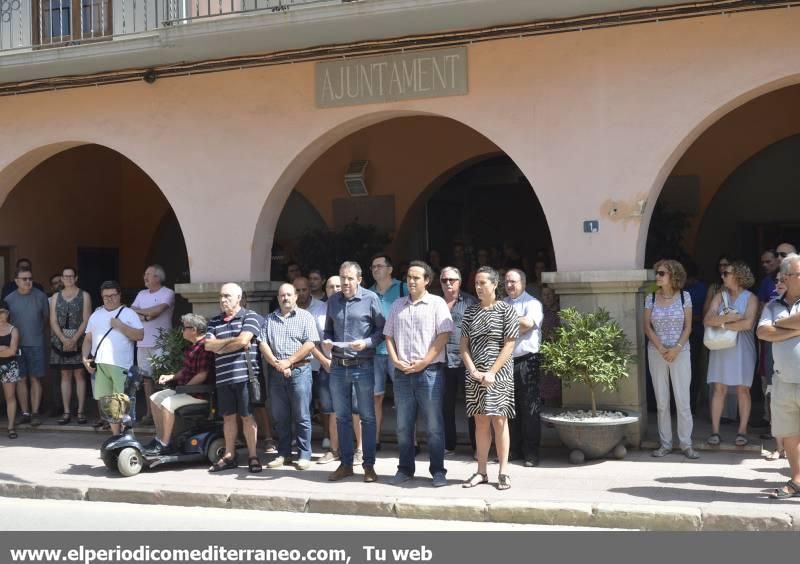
[[69, 313], [668, 324], [729, 335]]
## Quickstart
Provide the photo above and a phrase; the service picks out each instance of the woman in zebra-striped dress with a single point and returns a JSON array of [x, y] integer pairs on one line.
[[488, 332]]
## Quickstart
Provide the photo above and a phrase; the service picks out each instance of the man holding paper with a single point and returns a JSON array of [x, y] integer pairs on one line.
[[353, 328]]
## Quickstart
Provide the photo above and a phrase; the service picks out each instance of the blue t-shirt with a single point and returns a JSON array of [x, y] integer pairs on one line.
[[396, 290], [766, 290], [697, 292]]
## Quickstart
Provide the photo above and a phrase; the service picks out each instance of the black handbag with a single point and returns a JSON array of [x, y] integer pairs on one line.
[[253, 385]]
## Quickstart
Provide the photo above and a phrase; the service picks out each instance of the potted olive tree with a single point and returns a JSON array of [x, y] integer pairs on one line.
[[589, 349]]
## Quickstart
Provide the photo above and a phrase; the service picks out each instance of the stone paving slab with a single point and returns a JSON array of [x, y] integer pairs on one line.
[[721, 491]]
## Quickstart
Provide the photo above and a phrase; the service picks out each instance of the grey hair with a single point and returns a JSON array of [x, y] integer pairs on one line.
[[159, 270], [522, 277], [451, 269], [351, 264], [199, 322], [236, 288], [788, 261], [494, 277]]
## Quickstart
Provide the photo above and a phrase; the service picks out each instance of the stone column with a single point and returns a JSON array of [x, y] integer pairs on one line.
[[204, 296], [620, 292]]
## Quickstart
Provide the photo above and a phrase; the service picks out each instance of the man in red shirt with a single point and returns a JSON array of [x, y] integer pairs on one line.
[[198, 368]]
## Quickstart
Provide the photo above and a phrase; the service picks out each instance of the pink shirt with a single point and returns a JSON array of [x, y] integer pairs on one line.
[[415, 326]]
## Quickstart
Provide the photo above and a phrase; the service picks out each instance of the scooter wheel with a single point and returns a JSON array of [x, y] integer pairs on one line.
[[130, 462], [216, 450]]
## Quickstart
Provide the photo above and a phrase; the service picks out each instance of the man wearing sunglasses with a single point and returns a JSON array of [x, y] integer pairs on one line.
[[30, 314]]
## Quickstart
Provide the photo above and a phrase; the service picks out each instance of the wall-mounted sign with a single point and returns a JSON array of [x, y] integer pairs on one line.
[[388, 78]]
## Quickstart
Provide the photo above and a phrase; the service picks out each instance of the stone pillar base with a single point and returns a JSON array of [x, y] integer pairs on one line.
[[620, 292], [204, 296]]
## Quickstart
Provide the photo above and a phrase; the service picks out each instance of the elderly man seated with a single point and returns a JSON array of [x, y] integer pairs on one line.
[[198, 368]]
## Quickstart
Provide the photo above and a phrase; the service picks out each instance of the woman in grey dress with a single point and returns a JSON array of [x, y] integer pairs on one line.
[[736, 365], [69, 313]]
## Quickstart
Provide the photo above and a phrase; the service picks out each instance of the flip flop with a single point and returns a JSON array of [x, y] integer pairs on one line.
[[741, 440]]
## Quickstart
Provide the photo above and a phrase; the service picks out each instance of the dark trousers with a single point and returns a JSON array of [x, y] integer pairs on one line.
[[526, 428], [452, 377]]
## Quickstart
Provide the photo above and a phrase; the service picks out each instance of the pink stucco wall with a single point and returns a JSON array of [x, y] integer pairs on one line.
[[593, 119]]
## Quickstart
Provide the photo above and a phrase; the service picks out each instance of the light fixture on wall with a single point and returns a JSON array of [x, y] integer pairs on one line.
[[354, 180]]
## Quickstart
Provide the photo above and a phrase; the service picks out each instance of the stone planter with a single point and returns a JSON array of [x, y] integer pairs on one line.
[[589, 439]]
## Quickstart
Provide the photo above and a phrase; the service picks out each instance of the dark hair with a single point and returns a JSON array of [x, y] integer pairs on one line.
[[773, 252], [424, 266], [294, 263], [58, 274], [384, 256], [21, 270], [111, 285], [494, 276], [4, 306], [23, 259], [72, 268], [317, 271]]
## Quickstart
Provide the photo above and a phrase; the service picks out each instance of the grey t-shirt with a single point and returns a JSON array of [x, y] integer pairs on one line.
[[29, 314], [786, 354]]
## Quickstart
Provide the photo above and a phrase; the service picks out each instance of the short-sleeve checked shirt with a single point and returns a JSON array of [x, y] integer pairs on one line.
[[197, 359], [285, 335], [231, 367], [415, 326]]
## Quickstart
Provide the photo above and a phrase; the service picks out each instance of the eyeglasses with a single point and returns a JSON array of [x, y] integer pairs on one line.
[[793, 274], [661, 273], [185, 328], [726, 273], [450, 280]]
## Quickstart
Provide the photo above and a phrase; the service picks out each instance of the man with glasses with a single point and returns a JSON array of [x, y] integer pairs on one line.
[[780, 325], [108, 346], [388, 289], [353, 328], [198, 368], [525, 428], [11, 285], [457, 302], [30, 314]]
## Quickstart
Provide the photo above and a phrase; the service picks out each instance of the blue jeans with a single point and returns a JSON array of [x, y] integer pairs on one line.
[[423, 392], [290, 399], [344, 379]]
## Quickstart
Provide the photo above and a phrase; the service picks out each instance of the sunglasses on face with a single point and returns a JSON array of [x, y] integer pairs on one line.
[[782, 255], [661, 273], [449, 280]]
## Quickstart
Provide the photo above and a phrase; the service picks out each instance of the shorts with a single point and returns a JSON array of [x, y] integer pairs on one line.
[[321, 391], [32, 362], [170, 400], [785, 408], [234, 399], [143, 355], [9, 372], [109, 379], [383, 369]]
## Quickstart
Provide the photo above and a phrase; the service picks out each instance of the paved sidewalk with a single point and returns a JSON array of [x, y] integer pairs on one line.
[[721, 491]]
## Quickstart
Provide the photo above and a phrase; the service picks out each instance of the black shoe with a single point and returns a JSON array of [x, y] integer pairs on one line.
[[378, 446], [26, 418], [766, 437], [159, 450], [417, 450], [531, 461], [151, 445]]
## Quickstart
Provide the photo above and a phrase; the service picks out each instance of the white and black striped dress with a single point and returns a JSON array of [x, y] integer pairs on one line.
[[487, 330]]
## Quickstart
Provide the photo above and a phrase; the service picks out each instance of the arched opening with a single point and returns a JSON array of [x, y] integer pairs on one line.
[[732, 192], [91, 207], [430, 182]]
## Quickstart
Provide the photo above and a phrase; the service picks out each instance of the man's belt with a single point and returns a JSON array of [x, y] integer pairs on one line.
[[524, 357], [300, 363], [339, 361]]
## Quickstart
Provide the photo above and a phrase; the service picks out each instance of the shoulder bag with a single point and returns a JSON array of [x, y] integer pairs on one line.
[[717, 338]]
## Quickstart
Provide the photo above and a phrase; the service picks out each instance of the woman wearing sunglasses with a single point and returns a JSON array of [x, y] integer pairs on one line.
[[668, 324], [736, 365]]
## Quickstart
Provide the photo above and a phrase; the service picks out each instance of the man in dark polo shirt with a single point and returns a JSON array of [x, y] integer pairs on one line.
[[230, 338], [353, 329]]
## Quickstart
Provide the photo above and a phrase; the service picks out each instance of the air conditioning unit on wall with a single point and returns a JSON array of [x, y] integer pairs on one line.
[[354, 178]]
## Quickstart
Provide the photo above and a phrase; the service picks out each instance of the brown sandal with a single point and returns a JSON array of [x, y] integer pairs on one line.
[[475, 480]]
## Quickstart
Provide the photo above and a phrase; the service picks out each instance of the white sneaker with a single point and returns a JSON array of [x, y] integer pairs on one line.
[[326, 443], [661, 451]]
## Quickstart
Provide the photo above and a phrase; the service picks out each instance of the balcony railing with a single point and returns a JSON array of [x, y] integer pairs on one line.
[[41, 24]]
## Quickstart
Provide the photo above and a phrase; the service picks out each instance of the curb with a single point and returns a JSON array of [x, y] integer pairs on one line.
[[604, 515]]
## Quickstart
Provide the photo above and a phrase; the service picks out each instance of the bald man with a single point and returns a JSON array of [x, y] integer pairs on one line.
[[231, 337]]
